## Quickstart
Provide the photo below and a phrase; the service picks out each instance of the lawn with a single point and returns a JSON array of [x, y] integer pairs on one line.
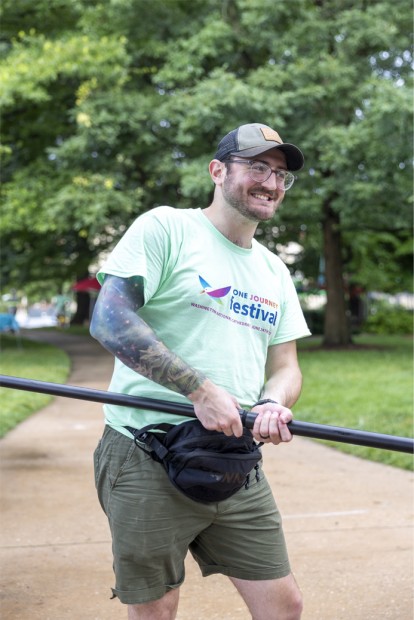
[[368, 387], [32, 360]]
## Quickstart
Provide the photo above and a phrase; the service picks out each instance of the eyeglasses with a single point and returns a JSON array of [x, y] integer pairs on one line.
[[260, 172]]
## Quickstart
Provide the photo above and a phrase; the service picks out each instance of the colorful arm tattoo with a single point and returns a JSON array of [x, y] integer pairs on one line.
[[121, 331]]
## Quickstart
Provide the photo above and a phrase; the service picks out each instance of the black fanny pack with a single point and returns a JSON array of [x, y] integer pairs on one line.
[[207, 466]]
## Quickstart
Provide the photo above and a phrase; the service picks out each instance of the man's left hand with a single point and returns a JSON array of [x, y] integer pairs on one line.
[[271, 423]]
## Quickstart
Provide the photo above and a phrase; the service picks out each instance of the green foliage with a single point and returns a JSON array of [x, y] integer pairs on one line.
[[382, 260], [32, 360], [46, 16], [113, 107], [387, 319], [366, 387], [70, 57]]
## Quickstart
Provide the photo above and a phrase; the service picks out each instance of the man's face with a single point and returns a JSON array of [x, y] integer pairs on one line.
[[255, 201]]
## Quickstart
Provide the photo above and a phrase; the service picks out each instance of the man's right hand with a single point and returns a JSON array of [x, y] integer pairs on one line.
[[216, 409]]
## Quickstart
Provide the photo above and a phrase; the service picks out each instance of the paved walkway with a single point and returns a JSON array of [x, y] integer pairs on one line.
[[348, 522]]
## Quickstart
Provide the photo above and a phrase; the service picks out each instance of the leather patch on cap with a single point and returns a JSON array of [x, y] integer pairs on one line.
[[271, 135]]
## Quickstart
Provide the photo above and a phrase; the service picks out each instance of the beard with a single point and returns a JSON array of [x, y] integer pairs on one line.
[[237, 198]]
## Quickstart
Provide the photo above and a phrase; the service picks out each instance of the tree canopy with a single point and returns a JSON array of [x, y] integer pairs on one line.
[[112, 107]]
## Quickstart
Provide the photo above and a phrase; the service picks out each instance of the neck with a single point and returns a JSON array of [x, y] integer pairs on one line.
[[233, 226]]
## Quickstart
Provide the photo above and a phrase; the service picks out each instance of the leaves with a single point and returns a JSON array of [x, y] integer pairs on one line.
[[36, 61], [113, 107]]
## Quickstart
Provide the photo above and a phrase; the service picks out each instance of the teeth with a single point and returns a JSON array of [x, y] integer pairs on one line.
[[262, 196]]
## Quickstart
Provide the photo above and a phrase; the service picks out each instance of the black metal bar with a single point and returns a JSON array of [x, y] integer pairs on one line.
[[344, 435], [98, 396], [304, 429]]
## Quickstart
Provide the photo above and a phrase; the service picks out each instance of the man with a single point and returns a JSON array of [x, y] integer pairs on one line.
[[194, 309]]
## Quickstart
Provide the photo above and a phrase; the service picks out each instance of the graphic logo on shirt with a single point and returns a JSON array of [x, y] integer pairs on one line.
[[216, 293], [243, 307]]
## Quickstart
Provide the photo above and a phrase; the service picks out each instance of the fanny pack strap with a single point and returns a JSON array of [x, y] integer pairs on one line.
[[150, 440]]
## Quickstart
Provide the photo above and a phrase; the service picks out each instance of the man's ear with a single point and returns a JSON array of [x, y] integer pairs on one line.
[[217, 171]]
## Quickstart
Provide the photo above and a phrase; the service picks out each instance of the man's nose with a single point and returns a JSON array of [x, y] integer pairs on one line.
[[272, 182]]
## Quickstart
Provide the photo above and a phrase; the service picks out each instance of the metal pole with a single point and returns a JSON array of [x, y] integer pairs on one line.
[[304, 429]]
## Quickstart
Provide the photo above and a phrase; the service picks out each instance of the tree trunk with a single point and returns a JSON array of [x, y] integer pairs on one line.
[[337, 329]]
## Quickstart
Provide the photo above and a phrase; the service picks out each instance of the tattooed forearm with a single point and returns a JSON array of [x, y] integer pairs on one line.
[[162, 366], [120, 330]]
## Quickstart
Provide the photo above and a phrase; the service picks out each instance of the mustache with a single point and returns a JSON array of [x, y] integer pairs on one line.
[[259, 189]]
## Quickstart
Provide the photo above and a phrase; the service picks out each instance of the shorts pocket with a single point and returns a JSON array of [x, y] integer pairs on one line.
[[122, 450], [111, 457]]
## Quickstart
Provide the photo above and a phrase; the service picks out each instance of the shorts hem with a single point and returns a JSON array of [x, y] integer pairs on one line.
[[228, 571], [137, 597]]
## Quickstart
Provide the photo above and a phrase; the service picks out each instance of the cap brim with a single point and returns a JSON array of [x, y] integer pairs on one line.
[[294, 156]]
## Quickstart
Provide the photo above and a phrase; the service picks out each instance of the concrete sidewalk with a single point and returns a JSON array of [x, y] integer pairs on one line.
[[348, 522]]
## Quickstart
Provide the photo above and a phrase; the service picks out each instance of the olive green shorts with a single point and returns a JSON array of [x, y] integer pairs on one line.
[[153, 525]]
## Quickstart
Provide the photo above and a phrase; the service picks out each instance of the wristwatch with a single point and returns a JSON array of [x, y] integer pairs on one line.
[[264, 401]]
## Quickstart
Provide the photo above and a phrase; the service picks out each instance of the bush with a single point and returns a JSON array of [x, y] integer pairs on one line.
[[387, 319]]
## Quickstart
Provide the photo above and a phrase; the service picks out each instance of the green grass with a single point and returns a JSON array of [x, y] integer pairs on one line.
[[368, 387], [32, 360]]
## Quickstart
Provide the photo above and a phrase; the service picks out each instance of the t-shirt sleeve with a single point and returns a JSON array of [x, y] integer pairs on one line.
[[292, 324], [142, 251]]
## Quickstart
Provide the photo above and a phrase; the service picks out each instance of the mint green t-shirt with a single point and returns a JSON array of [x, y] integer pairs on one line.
[[216, 305]]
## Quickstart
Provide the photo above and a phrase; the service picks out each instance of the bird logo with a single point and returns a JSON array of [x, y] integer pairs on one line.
[[216, 293]]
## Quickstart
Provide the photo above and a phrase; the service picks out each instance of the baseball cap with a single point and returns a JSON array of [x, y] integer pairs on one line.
[[253, 139]]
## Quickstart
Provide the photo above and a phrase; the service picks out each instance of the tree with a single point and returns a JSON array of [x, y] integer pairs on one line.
[[110, 112]]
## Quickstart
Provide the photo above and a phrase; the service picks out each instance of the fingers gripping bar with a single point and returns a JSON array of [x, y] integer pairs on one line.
[[340, 434]]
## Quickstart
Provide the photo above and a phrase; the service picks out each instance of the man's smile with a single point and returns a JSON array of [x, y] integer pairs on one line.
[[261, 196]]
